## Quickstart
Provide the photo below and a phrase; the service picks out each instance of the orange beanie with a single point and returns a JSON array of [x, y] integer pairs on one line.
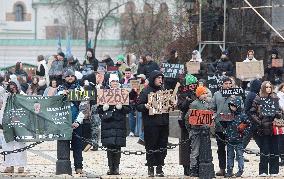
[[200, 90]]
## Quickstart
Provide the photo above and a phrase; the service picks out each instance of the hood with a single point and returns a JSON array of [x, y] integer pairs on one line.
[[153, 75], [255, 86], [236, 102]]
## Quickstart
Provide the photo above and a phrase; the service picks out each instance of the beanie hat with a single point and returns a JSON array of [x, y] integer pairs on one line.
[[113, 77], [190, 79], [69, 72], [120, 58], [200, 90], [225, 52]]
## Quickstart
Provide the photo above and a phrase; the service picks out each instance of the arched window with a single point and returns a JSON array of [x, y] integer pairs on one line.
[[19, 12]]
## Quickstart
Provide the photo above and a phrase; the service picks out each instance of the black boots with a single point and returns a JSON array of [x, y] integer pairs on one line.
[[113, 163], [229, 174], [186, 170], [159, 171], [150, 171], [194, 172]]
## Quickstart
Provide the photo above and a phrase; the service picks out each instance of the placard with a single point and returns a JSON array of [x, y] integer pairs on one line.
[[214, 83], [160, 102], [269, 106], [193, 67], [112, 68], [112, 96], [187, 88], [201, 117], [78, 95], [172, 70], [277, 63], [232, 91], [249, 70], [226, 117]]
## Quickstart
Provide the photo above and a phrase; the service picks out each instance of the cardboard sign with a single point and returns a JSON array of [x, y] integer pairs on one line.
[[226, 117], [201, 117], [249, 70], [187, 88], [113, 96], [78, 95], [112, 68], [278, 63], [232, 91], [214, 83], [269, 106], [172, 70], [160, 102], [193, 67]]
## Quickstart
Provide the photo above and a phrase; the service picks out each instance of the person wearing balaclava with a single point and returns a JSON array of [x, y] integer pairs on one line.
[[156, 127], [273, 74], [223, 66]]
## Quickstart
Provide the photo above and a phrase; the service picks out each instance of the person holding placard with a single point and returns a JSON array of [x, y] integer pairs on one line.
[[194, 131], [195, 56], [113, 130], [250, 56], [150, 66], [156, 127], [235, 130], [273, 72], [170, 82]]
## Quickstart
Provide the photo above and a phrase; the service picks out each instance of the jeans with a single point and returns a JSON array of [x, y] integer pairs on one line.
[[221, 150], [139, 125], [269, 147], [194, 135], [77, 146], [231, 149], [132, 120]]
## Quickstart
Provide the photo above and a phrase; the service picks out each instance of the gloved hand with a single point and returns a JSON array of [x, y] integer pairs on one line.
[[119, 106], [242, 127], [105, 107]]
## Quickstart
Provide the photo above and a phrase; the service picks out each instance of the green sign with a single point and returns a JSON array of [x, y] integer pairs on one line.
[[37, 118]]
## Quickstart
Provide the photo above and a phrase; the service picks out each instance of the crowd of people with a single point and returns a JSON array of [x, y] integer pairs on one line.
[[57, 75]]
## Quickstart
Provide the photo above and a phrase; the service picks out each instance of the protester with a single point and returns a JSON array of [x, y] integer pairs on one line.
[[220, 106], [273, 74], [107, 60], [19, 71], [202, 82], [113, 129], [141, 65], [195, 56], [250, 56], [71, 83], [170, 83], [33, 88], [131, 63], [91, 60], [235, 129], [280, 95], [52, 89], [18, 159], [223, 66], [150, 66], [57, 67], [42, 69], [156, 127]]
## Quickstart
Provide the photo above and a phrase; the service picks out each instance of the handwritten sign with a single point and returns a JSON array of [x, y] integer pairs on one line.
[[214, 82], [201, 117], [233, 91], [112, 96], [172, 70], [160, 102], [187, 88], [78, 95], [193, 67], [249, 70], [226, 117], [269, 106], [278, 63], [112, 68]]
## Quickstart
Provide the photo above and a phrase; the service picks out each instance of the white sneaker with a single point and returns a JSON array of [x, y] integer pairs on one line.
[[263, 175], [131, 134], [273, 175]]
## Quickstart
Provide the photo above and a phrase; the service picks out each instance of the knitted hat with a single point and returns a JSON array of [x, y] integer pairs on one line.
[[68, 72], [113, 77], [200, 90], [120, 58], [190, 79]]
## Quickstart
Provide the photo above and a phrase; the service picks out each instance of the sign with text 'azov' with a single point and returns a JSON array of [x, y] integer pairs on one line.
[[172, 70], [232, 91], [113, 96], [199, 117]]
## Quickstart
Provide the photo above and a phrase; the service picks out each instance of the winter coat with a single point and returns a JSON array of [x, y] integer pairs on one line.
[[109, 62], [184, 101], [153, 120], [149, 67], [232, 132], [254, 90], [93, 61], [141, 69], [42, 70], [56, 68], [273, 74], [113, 129], [224, 65]]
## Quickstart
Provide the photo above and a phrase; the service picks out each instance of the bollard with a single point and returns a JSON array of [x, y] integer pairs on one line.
[[206, 167], [63, 163]]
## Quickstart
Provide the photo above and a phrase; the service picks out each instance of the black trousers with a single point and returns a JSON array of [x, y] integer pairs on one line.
[[281, 146], [221, 151], [156, 137], [268, 158]]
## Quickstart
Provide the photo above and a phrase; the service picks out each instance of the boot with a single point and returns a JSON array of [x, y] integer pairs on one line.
[[116, 162], [116, 170], [110, 163], [110, 171], [186, 170], [229, 174], [9, 169], [159, 171], [150, 171], [239, 173], [221, 172], [193, 172]]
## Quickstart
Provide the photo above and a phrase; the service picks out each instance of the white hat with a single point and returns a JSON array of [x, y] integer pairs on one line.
[[141, 76], [113, 77]]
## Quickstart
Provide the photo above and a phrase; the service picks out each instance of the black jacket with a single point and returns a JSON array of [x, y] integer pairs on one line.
[[41, 71], [113, 130], [153, 120], [224, 66], [150, 67], [141, 69], [109, 62], [254, 90]]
